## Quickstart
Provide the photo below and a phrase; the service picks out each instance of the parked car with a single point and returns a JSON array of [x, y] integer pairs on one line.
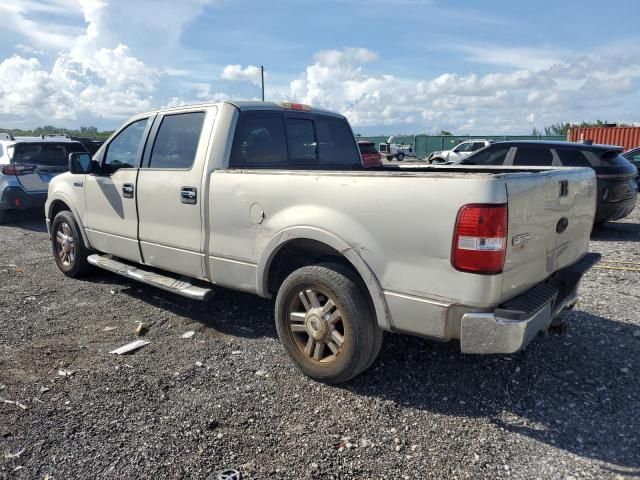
[[27, 164], [392, 149], [272, 199], [617, 187], [458, 152], [634, 157], [369, 153]]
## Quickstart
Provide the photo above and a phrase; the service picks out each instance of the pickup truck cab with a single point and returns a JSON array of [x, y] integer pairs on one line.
[[273, 199]]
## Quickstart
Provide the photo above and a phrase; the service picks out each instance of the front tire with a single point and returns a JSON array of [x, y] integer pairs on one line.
[[325, 324], [68, 247]]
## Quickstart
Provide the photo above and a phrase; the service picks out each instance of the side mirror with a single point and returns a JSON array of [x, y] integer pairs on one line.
[[79, 162]]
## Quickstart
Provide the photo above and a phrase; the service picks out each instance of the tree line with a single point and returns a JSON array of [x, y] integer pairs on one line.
[[83, 131]]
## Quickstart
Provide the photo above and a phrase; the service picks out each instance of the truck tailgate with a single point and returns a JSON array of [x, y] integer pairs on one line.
[[550, 221]]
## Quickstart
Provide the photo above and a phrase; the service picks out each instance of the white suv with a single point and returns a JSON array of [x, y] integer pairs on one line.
[[459, 152]]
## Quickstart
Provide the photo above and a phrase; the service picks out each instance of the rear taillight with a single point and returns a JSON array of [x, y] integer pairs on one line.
[[17, 169], [480, 239]]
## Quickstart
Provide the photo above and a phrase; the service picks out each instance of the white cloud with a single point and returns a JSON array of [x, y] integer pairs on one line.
[[123, 61], [15, 16], [112, 84], [533, 59], [250, 73], [585, 87], [94, 74]]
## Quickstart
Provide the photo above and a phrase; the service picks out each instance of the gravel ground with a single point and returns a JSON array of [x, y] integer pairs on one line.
[[568, 407]]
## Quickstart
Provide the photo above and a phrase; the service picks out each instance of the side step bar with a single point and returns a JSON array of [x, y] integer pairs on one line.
[[170, 284]]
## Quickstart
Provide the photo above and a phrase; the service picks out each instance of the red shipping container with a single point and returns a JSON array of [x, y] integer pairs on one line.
[[626, 137]]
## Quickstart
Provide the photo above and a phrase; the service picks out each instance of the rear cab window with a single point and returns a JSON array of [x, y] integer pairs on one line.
[[259, 141], [274, 139]]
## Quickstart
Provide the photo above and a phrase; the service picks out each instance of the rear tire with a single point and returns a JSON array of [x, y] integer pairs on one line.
[[68, 247], [400, 157], [389, 158], [3, 216], [325, 323]]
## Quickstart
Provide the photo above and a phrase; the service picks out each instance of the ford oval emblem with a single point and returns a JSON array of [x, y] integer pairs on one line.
[[562, 225]]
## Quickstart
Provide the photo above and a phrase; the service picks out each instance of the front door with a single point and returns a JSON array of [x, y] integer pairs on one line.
[[112, 215], [459, 152], [171, 199]]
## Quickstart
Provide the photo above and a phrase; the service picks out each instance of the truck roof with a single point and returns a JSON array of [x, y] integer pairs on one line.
[[244, 105]]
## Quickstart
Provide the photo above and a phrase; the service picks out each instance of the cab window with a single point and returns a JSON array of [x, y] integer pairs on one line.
[[177, 140], [124, 150], [336, 145], [301, 139], [283, 140], [259, 141], [463, 147]]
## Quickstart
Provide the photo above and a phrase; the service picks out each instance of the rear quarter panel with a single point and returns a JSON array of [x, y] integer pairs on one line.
[[401, 225]]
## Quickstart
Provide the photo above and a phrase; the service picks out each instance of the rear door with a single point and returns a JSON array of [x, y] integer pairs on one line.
[[112, 214], [42, 162], [550, 220], [170, 193]]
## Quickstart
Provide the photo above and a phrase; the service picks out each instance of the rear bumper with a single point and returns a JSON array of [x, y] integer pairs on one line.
[[16, 198], [511, 326]]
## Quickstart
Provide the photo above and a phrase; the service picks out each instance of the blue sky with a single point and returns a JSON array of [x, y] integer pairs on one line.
[[404, 66]]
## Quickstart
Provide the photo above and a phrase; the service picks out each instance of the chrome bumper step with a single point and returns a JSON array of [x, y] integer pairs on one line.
[[170, 284]]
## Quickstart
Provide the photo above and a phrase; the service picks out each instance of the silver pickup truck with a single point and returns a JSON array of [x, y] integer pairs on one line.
[[272, 199]]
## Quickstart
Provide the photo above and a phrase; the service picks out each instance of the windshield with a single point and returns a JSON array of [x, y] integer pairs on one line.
[[45, 153]]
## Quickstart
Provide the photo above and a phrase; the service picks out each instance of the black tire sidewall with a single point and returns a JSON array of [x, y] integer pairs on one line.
[[80, 265], [359, 336]]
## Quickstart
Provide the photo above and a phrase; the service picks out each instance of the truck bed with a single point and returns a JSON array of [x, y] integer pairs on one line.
[[400, 222]]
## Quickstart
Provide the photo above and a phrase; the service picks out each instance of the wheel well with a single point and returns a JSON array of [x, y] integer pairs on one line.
[[301, 253], [56, 207]]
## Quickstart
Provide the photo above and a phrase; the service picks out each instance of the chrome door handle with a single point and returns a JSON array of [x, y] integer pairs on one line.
[[189, 195], [127, 190]]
